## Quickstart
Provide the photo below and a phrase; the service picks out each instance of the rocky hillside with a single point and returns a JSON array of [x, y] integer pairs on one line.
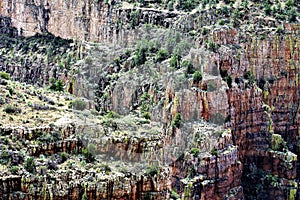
[[149, 99]]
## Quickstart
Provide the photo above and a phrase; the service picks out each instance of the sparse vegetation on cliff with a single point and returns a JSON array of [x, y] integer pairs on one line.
[[78, 104], [176, 122], [30, 165], [197, 76], [4, 75], [57, 85], [204, 90]]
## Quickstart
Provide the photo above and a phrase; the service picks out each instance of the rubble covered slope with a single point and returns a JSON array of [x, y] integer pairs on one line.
[[149, 99]]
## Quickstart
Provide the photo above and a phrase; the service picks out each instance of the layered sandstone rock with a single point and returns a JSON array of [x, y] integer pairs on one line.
[[260, 106]]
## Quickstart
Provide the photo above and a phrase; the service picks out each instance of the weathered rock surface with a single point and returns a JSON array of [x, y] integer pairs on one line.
[[250, 85]]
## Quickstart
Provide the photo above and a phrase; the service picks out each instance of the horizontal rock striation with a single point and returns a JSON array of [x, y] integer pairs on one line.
[[250, 85]]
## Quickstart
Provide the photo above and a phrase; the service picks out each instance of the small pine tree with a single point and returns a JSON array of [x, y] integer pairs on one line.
[[177, 120], [292, 15], [30, 165], [175, 61], [197, 76], [59, 85], [162, 55], [189, 67], [267, 9]]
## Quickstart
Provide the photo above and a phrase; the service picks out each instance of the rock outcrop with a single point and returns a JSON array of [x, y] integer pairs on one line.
[[249, 84]]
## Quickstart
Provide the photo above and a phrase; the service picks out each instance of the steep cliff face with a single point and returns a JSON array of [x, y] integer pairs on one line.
[[260, 105], [85, 20], [249, 84], [279, 102]]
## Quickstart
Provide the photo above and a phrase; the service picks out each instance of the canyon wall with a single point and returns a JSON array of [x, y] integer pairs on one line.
[[83, 20], [261, 105]]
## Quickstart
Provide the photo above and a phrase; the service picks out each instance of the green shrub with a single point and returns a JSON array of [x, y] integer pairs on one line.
[[267, 9], [197, 76], [140, 57], [106, 168], [280, 17], [84, 197], [47, 137], [225, 10], [289, 3], [212, 46], [64, 156], [4, 75], [195, 151], [250, 77], [189, 67], [4, 156], [141, 53], [92, 148], [162, 54], [245, 4], [146, 115], [236, 14], [134, 18], [176, 122], [292, 14], [171, 5], [30, 165], [204, 3], [145, 107], [87, 154], [221, 22], [278, 143], [2, 100], [153, 170], [78, 104], [204, 31], [145, 102], [14, 169], [174, 195], [279, 29], [145, 96], [112, 114], [57, 85], [215, 152], [10, 90], [175, 61], [187, 5]]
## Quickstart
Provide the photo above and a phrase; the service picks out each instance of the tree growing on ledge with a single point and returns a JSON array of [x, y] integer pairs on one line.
[[175, 61], [30, 165], [4, 75], [187, 5], [89, 152], [176, 122], [56, 85], [197, 76]]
